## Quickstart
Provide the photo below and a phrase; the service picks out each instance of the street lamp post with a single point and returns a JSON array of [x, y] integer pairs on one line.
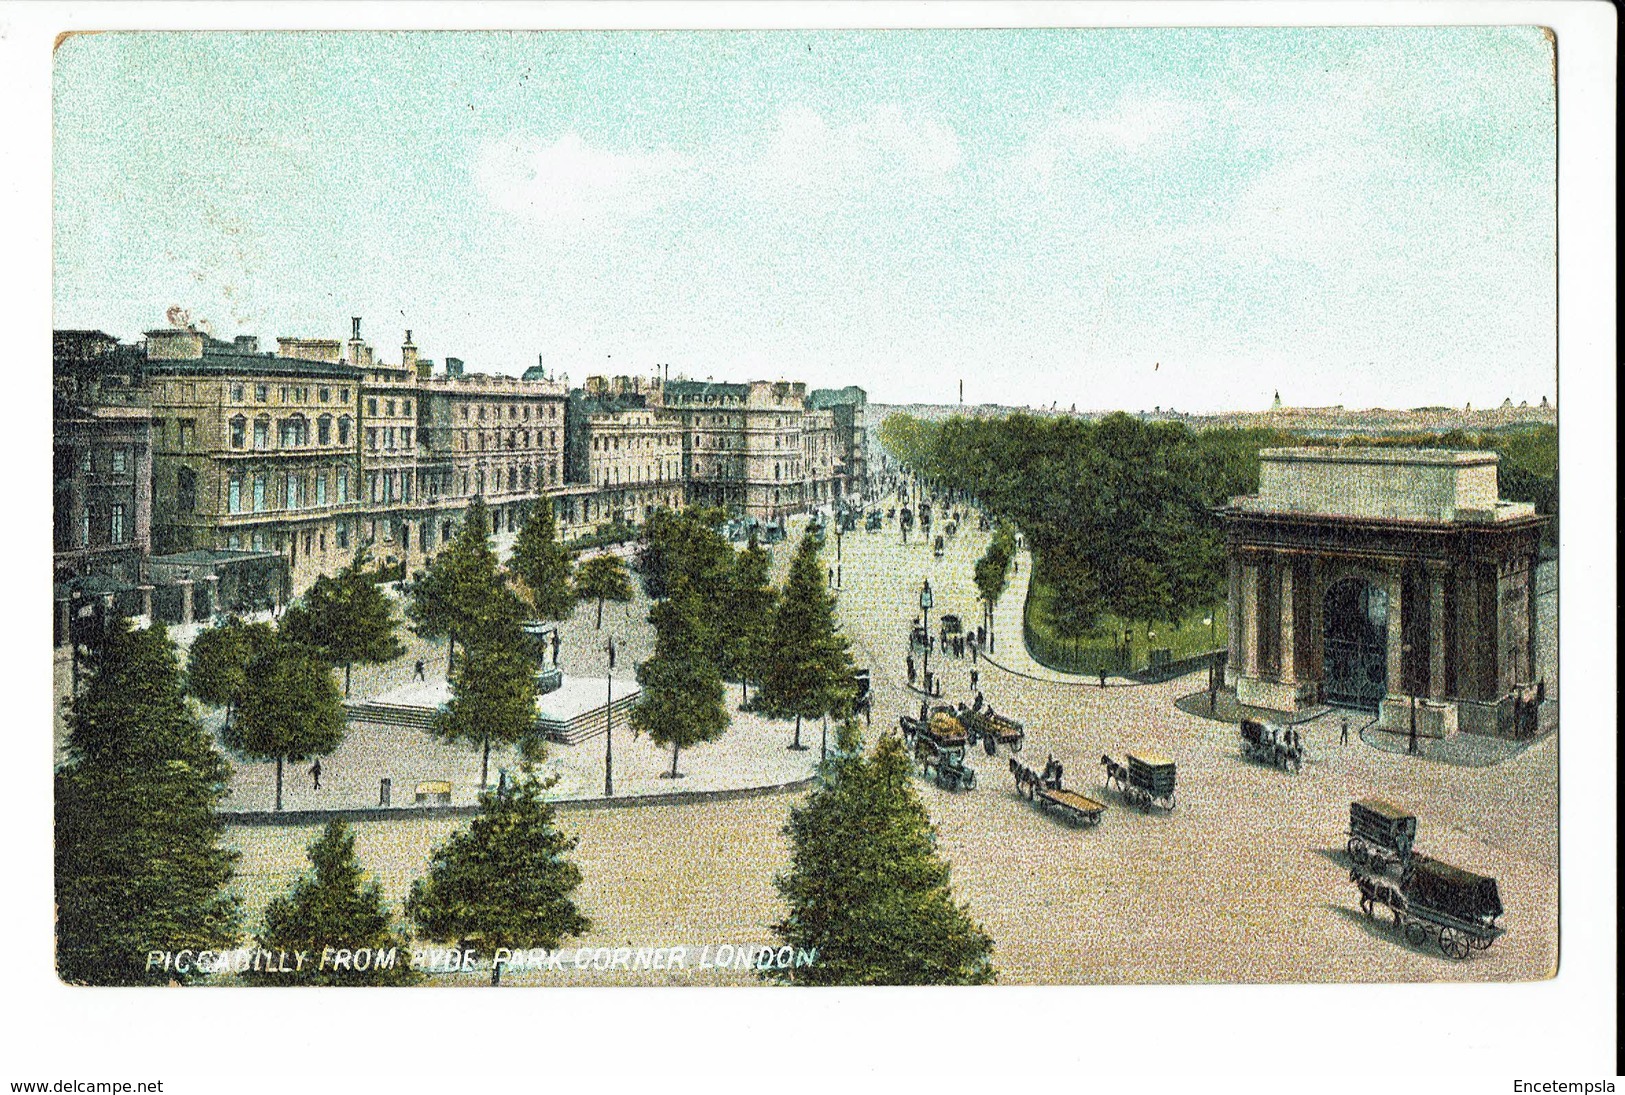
[[925, 619], [609, 724], [1406, 649]]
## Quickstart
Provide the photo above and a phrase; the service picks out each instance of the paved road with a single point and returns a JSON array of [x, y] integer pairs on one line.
[[1243, 882]]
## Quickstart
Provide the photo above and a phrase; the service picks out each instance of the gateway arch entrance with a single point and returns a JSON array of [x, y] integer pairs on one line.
[[1356, 643]]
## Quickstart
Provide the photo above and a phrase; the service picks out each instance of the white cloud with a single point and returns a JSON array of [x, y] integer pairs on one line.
[[887, 148], [1137, 125], [569, 181]]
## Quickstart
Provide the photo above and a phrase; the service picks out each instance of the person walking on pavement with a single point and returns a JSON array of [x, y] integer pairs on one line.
[[974, 677], [316, 775], [417, 670], [1345, 740]]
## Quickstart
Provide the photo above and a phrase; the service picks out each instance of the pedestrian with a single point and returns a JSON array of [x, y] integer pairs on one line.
[[1345, 740], [925, 710], [1540, 691], [417, 670], [977, 706], [832, 577], [1103, 678], [555, 648], [316, 775], [973, 645], [974, 676]]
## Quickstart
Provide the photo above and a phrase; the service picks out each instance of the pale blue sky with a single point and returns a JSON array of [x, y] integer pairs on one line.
[[1116, 218]]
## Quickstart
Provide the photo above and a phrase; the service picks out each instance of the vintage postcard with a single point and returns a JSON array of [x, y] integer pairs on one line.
[[806, 507]]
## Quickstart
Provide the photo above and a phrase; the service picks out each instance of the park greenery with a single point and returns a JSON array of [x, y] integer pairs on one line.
[[334, 903], [344, 619], [542, 564], [505, 881], [462, 595], [749, 606], [290, 709], [139, 855], [866, 888], [1120, 512], [217, 664], [682, 701], [806, 666], [603, 578], [493, 696]]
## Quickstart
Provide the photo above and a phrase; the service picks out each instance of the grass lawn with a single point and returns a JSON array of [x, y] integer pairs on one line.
[[1101, 651]]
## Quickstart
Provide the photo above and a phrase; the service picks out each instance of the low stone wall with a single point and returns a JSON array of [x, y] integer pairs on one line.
[[403, 813]]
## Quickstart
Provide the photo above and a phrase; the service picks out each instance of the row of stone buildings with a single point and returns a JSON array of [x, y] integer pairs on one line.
[[195, 474]]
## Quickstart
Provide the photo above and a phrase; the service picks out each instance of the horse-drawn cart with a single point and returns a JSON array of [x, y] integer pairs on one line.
[[1380, 834], [1268, 743], [1147, 780], [992, 730], [1044, 788], [1457, 908]]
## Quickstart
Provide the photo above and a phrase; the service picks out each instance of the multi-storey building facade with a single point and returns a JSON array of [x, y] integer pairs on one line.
[[498, 437], [629, 450], [319, 448], [102, 458], [253, 450]]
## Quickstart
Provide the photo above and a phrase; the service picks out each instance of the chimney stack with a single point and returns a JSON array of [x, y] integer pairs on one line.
[[454, 366], [409, 354]]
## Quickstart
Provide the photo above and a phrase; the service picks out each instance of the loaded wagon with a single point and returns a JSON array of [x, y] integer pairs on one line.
[[941, 727], [992, 730], [1457, 908], [1045, 789], [1380, 834], [1268, 743], [1146, 781]]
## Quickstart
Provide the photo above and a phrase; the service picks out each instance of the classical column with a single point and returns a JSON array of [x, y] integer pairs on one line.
[[1249, 611], [186, 600], [1288, 668], [64, 620], [143, 498], [146, 601], [1435, 631], [1396, 652], [1232, 619]]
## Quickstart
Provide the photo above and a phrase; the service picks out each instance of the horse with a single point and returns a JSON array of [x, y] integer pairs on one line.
[[1116, 774], [1373, 890], [1027, 780]]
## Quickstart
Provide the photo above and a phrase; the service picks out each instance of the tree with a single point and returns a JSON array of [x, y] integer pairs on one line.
[[455, 596], [603, 578], [749, 616], [217, 664], [866, 889], [493, 696], [334, 907], [291, 709], [806, 667], [992, 571], [505, 882], [681, 703], [139, 861], [543, 565], [346, 619], [683, 543]]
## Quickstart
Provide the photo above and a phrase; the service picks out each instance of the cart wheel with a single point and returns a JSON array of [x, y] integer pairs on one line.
[[1171, 803], [1415, 932], [1478, 942], [1368, 906], [1453, 943]]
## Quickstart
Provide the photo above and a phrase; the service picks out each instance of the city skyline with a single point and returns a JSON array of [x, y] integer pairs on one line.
[[1116, 218]]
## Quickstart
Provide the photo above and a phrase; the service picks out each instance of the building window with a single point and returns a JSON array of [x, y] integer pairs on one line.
[[234, 540], [372, 438], [234, 495], [188, 432], [120, 460], [262, 433], [261, 393], [324, 394], [259, 494], [344, 430], [406, 407], [239, 431], [389, 437], [117, 529], [344, 395], [344, 485], [341, 534], [236, 393], [186, 490], [372, 486], [257, 540], [293, 492], [389, 408], [321, 488], [524, 477], [406, 437], [324, 430], [465, 412]]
